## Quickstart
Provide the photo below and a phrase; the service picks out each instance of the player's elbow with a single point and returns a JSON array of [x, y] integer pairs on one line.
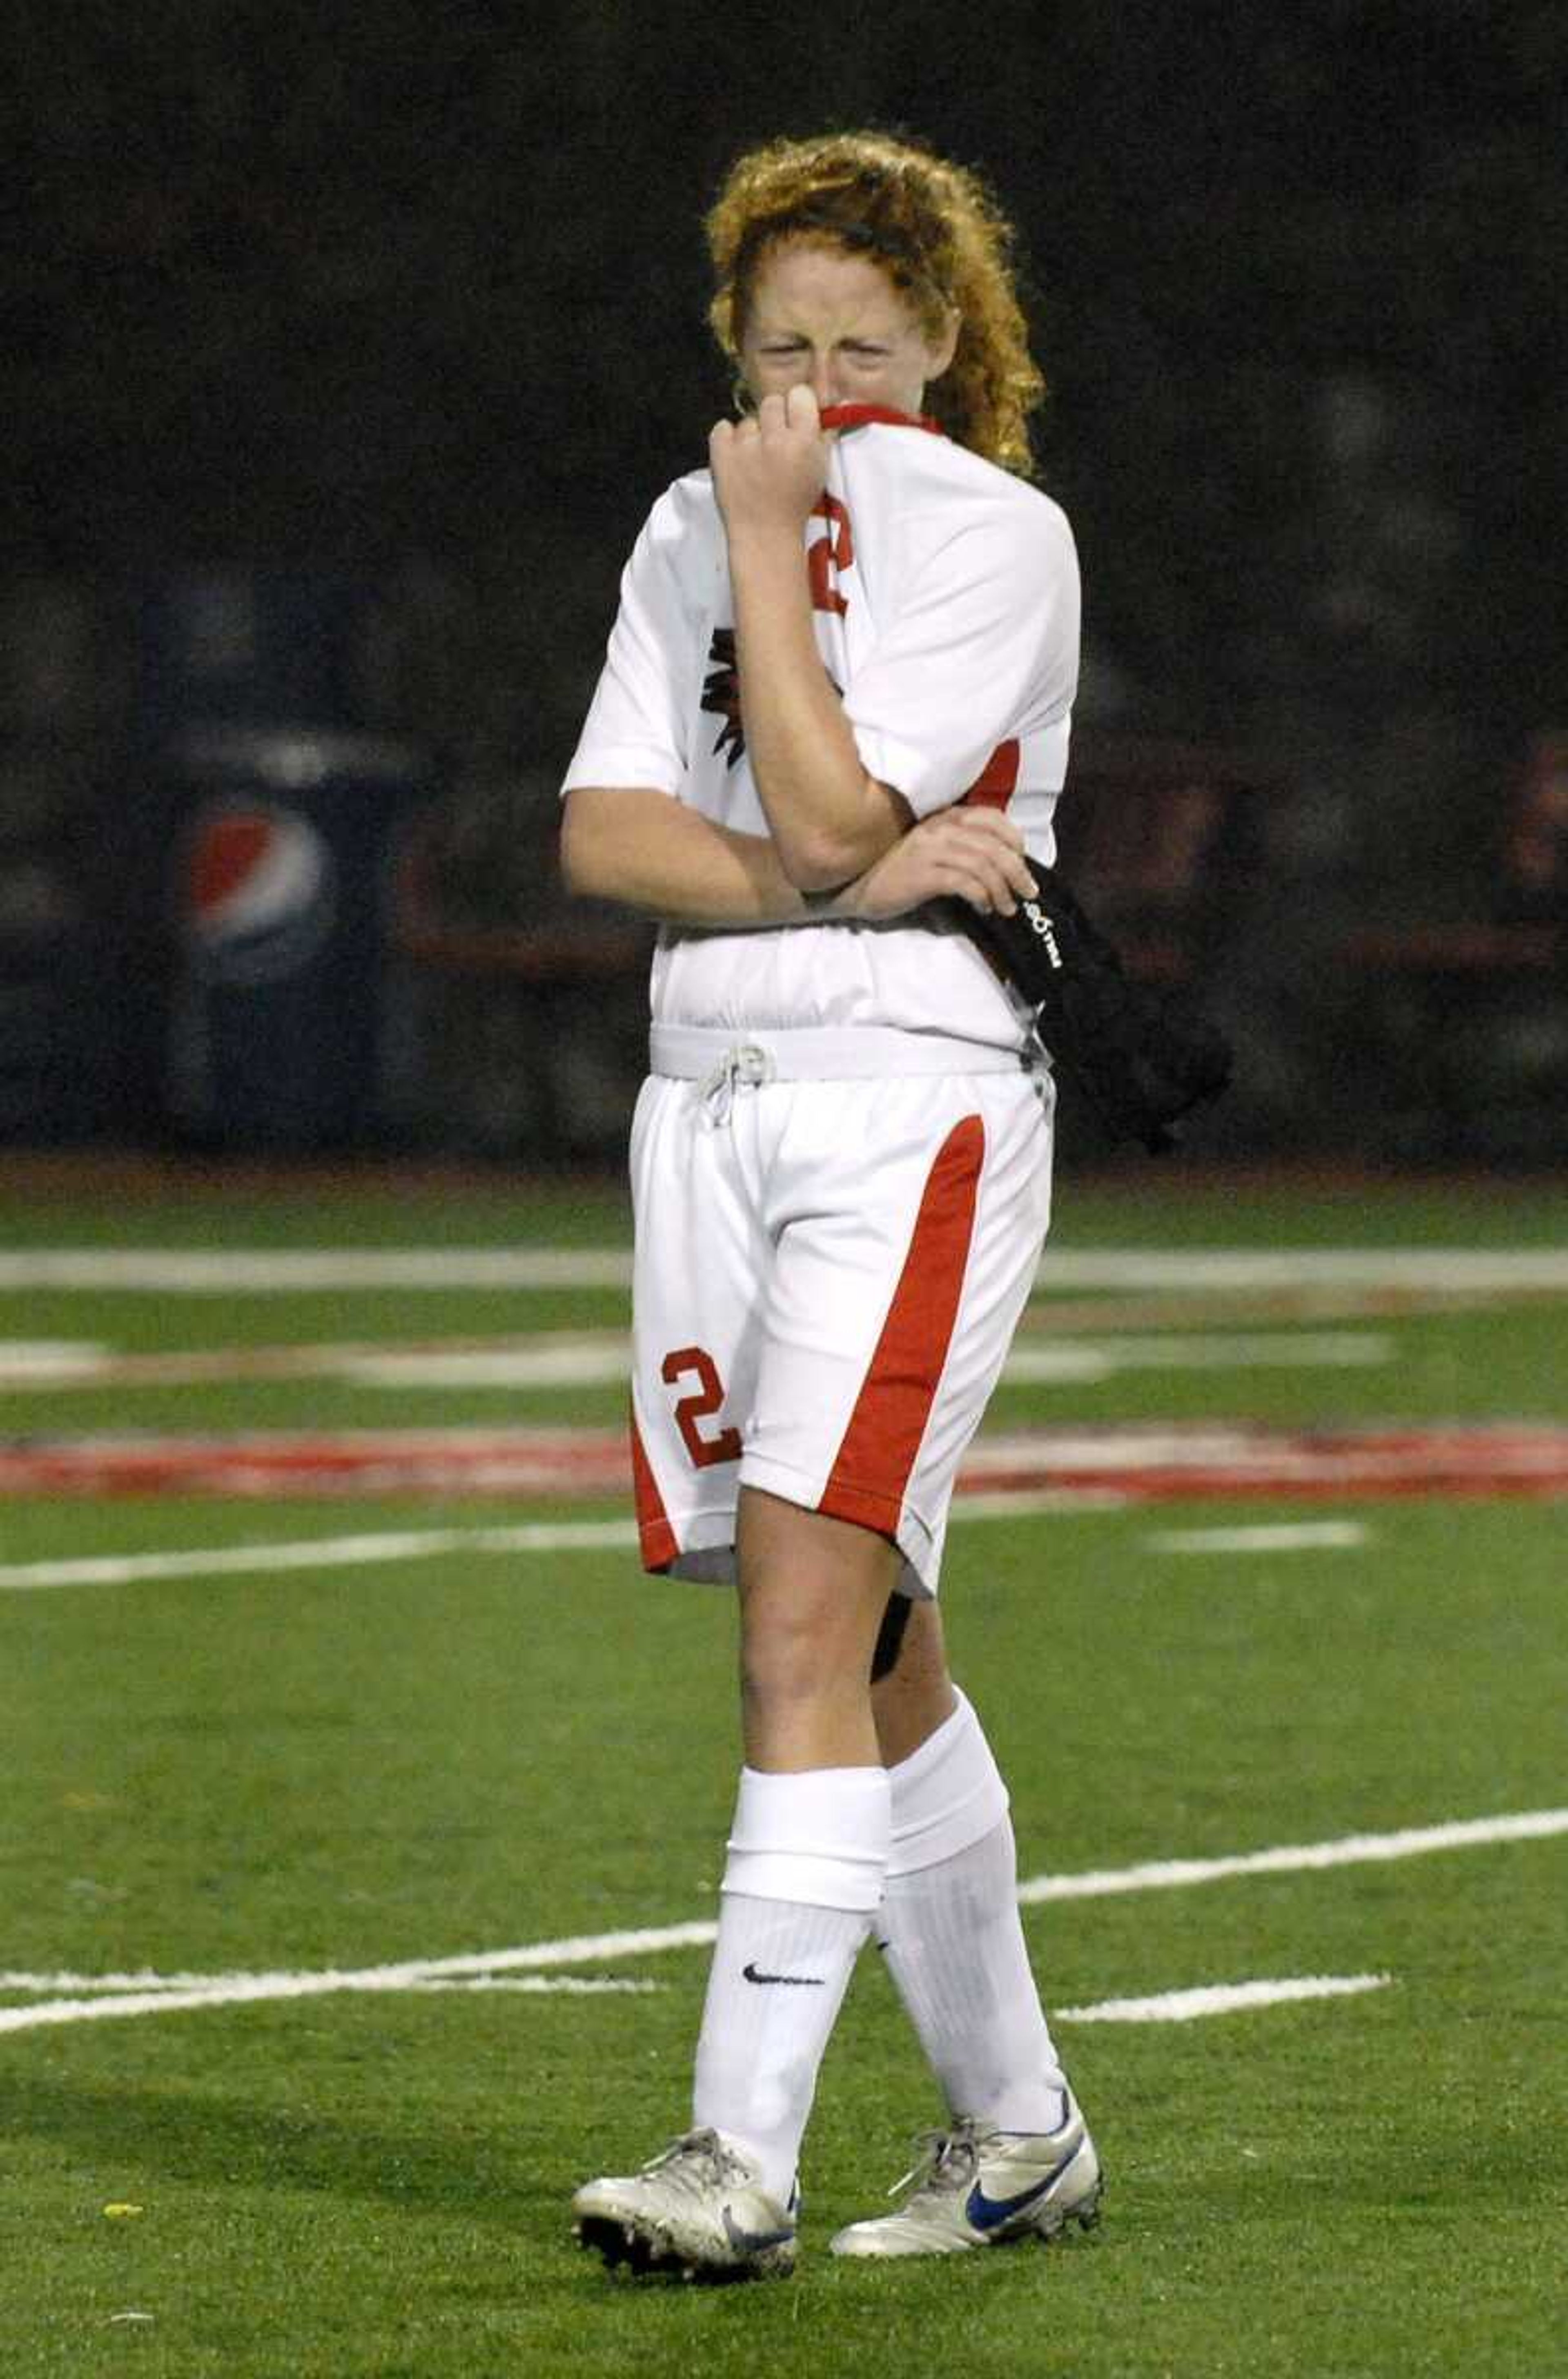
[[819, 862], [818, 855]]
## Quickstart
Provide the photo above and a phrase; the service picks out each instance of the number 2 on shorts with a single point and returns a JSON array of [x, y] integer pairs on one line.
[[701, 1406]]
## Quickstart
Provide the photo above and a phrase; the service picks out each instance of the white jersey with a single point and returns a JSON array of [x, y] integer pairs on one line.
[[946, 603]]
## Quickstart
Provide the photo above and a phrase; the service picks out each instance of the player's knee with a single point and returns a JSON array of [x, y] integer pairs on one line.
[[795, 1654], [786, 1672]]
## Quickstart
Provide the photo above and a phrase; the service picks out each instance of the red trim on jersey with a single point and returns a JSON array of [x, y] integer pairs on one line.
[[998, 781], [855, 416], [655, 1533], [873, 1466]]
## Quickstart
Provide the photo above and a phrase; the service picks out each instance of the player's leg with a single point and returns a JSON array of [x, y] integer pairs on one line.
[[809, 1845], [1015, 2159], [868, 1269], [813, 1593], [809, 1842], [802, 1883], [700, 2206], [949, 1926]]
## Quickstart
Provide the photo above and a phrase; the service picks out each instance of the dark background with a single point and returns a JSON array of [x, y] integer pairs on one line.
[[411, 302]]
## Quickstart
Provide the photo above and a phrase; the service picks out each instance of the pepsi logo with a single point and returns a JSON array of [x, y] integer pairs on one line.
[[259, 891]]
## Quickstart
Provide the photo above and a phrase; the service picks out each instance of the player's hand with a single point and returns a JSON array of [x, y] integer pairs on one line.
[[958, 855], [770, 467]]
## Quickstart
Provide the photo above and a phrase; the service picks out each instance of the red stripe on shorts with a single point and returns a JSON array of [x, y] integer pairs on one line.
[[654, 1531], [998, 781], [873, 1466]]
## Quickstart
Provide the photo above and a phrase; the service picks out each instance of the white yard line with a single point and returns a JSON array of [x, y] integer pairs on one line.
[[1350, 1850], [1267, 1537], [572, 1362], [190, 1992], [602, 1359], [268, 1272], [35, 1362], [242, 1991], [1220, 1998], [317, 1553], [92, 1998], [274, 1272], [550, 1986], [1488, 1270], [389, 1545], [588, 1949], [1031, 1363]]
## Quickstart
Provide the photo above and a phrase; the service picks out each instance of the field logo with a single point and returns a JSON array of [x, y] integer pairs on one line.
[[259, 891]]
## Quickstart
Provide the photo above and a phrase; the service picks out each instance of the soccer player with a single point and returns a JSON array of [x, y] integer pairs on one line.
[[837, 692]]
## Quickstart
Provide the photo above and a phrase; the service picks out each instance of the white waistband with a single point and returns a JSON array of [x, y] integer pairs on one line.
[[826, 1053]]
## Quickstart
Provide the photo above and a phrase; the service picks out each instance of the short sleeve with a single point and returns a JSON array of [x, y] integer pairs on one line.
[[984, 647], [636, 729]]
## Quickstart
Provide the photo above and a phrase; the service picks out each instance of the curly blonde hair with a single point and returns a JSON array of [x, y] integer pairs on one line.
[[939, 235]]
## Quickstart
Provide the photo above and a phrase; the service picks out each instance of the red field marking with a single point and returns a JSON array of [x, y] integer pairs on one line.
[[1151, 1462], [1157, 1462], [528, 1465]]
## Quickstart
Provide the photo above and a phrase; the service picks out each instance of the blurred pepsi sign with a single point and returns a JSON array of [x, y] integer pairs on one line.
[[284, 880]]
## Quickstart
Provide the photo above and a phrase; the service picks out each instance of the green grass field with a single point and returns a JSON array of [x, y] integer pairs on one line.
[[314, 1780]]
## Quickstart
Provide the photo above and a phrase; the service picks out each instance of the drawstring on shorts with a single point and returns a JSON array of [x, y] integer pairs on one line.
[[743, 1067]]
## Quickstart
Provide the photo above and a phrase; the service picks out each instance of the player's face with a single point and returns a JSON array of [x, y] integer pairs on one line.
[[836, 323]]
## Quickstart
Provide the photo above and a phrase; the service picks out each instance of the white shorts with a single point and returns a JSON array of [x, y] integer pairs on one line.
[[827, 1281]]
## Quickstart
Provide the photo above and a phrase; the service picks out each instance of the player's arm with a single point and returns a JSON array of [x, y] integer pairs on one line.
[[640, 848], [831, 819]]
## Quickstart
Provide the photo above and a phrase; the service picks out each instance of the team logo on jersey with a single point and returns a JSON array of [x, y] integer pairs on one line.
[[721, 694]]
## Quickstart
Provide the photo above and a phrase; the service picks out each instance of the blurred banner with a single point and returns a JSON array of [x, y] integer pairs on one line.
[[244, 909]]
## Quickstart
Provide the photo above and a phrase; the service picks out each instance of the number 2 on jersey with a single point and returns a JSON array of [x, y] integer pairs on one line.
[[725, 1445], [827, 554]]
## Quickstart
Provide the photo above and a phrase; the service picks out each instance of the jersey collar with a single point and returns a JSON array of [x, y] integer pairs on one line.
[[855, 416]]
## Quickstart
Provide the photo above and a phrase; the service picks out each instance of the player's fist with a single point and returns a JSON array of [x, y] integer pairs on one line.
[[770, 467]]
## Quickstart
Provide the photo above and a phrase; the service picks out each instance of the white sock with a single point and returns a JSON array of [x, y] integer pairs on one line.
[[802, 1883], [951, 1933]]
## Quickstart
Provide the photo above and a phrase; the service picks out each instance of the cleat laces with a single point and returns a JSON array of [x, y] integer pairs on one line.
[[946, 2162], [697, 2161]]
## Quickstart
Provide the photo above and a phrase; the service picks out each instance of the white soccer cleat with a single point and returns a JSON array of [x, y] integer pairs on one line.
[[988, 2189], [698, 2211]]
